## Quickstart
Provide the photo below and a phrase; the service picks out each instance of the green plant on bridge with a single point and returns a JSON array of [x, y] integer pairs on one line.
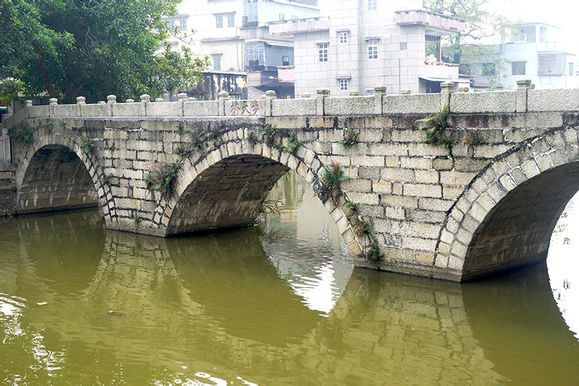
[[331, 182], [87, 145], [436, 129], [473, 138], [350, 138], [137, 220], [23, 135], [365, 229], [110, 178], [267, 133], [163, 178], [292, 143]]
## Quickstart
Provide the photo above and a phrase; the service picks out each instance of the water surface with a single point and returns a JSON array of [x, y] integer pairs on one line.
[[275, 304]]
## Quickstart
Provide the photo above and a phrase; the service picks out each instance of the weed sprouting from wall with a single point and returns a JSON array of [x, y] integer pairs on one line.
[[331, 182], [163, 178], [23, 135], [350, 138], [436, 129], [87, 145], [268, 133], [292, 143]]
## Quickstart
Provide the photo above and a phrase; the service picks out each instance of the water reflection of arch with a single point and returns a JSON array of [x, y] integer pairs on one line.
[[236, 266], [519, 326]]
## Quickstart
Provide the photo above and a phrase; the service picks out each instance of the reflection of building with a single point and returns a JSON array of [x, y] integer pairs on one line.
[[234, 34], [534, 51], [358, 47]]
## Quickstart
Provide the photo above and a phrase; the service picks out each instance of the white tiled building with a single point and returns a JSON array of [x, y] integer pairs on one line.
[[359, 44], [534, 51], [234, 32]]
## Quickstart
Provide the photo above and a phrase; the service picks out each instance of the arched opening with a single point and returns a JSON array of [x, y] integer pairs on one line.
[[517, 231], [228, 194], [55, 179]]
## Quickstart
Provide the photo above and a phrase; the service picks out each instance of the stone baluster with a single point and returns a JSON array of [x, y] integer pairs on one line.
[[222, 97], [322, 94], [446, 90], [52, 103], [145, 100], [379, 94], [270, 95], [111, 100], [80, 102], [523, 87]]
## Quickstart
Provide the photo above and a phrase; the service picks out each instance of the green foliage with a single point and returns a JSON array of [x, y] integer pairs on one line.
[[87, 145], [473, 138], [435, 128], [185, 151], [163, 178], [350, 138], [365, 229], [137, 220], [267, 133], [110, 178], [331, 182], [480, 22], [9, 89], [200, 138], [252, 138], [93, 48], [23, 135], [292, 143]]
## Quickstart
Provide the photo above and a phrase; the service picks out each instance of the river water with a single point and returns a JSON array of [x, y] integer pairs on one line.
[[275, 304]]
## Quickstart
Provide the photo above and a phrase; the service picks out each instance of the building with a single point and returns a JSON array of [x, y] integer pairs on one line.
[[234, 34], [355, 48], [533, 51]]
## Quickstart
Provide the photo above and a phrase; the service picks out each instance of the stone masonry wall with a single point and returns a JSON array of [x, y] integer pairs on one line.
[[425, 202]]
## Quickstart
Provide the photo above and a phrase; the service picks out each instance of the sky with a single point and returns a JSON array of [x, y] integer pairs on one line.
[[562, 13]]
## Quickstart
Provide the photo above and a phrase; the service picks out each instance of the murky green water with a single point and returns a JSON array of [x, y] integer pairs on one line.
[[279, 304]]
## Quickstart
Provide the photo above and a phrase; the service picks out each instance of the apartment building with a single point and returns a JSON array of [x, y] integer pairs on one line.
[[533, 51], [234, 34], [359, 44]]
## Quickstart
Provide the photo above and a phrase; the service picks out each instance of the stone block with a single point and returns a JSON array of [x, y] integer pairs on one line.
[[423, 190]]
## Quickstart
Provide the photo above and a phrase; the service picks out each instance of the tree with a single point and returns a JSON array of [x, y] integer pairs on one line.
[[480, 23], [68, 48]]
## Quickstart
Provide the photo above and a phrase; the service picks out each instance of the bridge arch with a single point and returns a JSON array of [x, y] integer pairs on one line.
[[506, 216], [213, 179], [55, 173]]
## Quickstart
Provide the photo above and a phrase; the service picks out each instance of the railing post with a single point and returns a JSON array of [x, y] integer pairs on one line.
[[80, 101], [111, 100], [322, 94], [270, 95], [222, 96], [52, 102], [379, 94], [446, 90], [145, 100], [181, 98], [523, 87]]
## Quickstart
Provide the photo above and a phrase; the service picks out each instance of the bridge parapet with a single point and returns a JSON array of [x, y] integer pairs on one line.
[[524, 100]]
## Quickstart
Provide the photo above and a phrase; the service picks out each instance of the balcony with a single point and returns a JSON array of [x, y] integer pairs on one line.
[[439, 71], [433, 21], [292, 27]]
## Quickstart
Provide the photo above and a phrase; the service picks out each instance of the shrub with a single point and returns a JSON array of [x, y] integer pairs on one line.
[[331, 182], [350, 138]]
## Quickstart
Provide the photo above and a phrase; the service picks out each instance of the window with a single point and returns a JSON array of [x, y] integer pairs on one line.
[[518, 68], [231, 20], [489, 69], [221, 17], [285, 61], [323, 52], [373, 49], [403, 46], [219, 21], [344, 84], [216, 62], [571, 68], [372, 5], [343, 37]]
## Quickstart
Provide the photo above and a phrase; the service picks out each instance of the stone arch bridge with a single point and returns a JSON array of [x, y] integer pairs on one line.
[[484, 200]]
